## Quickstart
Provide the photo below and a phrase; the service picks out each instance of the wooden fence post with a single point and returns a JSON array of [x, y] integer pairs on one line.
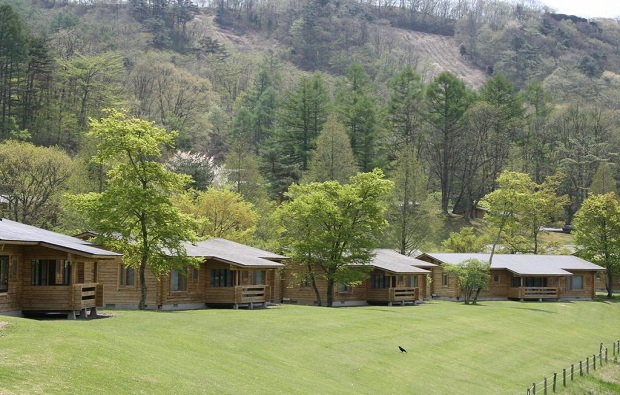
[[555, 379], [588, 365], [606, 355], [545, 387], [594, 361], [564, 377], [572, 371], [580, 368], [533, 388]]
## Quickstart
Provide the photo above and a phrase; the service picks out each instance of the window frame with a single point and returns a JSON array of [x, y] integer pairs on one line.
[[4, 273], [445, 280], [178, 280], [124, 274]]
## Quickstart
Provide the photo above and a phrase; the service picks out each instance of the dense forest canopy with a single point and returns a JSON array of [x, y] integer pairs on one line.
[[442, 95]]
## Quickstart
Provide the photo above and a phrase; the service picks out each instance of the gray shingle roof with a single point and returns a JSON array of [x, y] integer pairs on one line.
[[525, 264], [394, 262], [234, 253], [12, 232]]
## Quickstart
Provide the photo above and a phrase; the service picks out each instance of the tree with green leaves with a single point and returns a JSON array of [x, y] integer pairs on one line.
[[358, 109], [411, 219], [464, 241], [135, 214], [473, 276], [32, 180], [13, 60], [405, 109], [220, 213], [333, 158], [448, 99], [330, 230], [519, 208], [603, 180], [303, 112], [597, 234]]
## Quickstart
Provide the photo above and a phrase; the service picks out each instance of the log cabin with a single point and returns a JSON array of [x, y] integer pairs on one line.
[[394, 279], [231, 274], [520, 276], [48, 272]]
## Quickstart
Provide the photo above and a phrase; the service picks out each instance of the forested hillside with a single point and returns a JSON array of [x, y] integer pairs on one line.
[[441, 95]]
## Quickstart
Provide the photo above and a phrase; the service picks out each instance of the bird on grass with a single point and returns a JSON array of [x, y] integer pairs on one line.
[[401, 349]]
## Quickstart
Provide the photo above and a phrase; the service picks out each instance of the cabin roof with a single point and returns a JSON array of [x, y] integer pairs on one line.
[[235, 253], [524, 264], [392, 261], [12, 232]]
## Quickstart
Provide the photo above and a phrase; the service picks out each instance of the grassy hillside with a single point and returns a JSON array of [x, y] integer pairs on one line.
[[497, 347]]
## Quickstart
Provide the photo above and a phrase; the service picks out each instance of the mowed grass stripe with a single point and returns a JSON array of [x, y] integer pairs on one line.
[[497, 347]]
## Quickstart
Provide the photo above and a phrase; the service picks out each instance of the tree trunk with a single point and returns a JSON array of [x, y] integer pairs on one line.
[[476, 296], [330, 292], [142, 304], [610, 285], [314, 287]]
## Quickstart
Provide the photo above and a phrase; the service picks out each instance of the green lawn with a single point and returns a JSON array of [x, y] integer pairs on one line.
[[497, 347]]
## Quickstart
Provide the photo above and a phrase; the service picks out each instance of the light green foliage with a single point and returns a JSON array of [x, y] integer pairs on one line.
[[473, 276], [32, 179], [135, 215], [603, 180], [333, 158], [331, 229], [597, 233], [220, 213], [464, 241], [519, 208], [412, 220]]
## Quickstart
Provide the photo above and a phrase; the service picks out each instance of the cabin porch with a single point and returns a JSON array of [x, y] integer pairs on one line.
[[534, 288], [72, 299], [239, 295], [392, 295]]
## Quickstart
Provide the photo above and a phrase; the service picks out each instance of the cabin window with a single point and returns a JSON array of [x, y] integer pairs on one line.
[[4, 273], [444, 279], [221, 278], [344, 288], [178, 280], [516, 282], [411, 282], [534, 281], [496, 278], [259, 277], [50, 272], [195, 275], [575, 282], [380, 281], [127, 276]]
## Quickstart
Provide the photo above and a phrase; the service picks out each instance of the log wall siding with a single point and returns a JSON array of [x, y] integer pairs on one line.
[[10, 300], [116, 295]]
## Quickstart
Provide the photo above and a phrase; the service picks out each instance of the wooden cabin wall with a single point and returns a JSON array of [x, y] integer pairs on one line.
[[589, 286], [438, 289], [195, 293], [117, 296], [499, 283], [10, 301]]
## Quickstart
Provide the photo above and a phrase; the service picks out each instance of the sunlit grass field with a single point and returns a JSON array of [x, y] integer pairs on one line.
[[493, 348]]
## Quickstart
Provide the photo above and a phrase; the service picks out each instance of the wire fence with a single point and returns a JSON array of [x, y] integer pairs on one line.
[[559, 380]]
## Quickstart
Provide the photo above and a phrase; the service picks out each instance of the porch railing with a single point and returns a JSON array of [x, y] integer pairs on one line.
[[62, 297], [251, 294], [535, 293]]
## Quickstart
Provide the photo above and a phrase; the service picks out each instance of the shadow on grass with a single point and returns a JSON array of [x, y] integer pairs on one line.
[[602, 297]]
